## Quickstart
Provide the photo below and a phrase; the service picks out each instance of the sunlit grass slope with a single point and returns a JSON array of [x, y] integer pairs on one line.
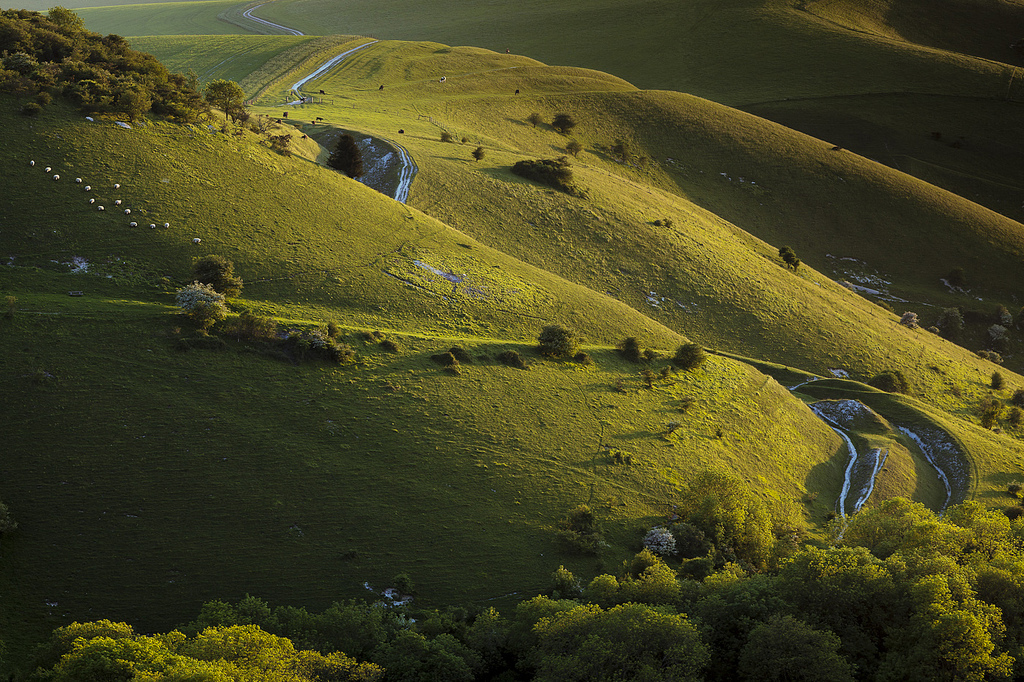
[[232, 57], [147, 480], [166, 18]]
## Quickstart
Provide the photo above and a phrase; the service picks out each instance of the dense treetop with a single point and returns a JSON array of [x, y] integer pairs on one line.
[[53, 54]]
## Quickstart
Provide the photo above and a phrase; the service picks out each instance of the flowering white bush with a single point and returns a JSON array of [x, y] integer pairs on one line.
[[997, 331], [909, 319], [660, 541], [202, 303]]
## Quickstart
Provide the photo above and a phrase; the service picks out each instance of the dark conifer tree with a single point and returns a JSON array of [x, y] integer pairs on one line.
[[346, 157]]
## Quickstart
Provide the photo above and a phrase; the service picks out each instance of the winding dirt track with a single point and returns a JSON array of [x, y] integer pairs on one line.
[[290, 31]]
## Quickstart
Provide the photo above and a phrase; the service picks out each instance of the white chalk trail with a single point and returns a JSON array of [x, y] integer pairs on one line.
[[328, 65], [926, 450], [248, 14]]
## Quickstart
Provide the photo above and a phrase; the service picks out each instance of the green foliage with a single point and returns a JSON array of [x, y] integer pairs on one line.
[[219, 273], [478, 153], [891, 380], [251, 327], [788, 256], [512, 359], [785, 649], [627, 642], [347, 157], [227, 96], [564, 584], [951, 323], [447, 137], [31, 108], [580, 530], [689, 356], [202, 304], [630, 349], [556, 341], [555, 173], [990, 409], [563, 123], [998, 382], [534, 119], [573, 147]]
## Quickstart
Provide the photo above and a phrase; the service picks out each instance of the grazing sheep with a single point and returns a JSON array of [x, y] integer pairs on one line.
[[117, 202], [196, 240], [117, 186], [152, 226], [92, 201], [56, 177], [78, 180], [46, 170], [101, 208], [133, 224], [127, 211], [31, 163], [167, 224], [88, 188]]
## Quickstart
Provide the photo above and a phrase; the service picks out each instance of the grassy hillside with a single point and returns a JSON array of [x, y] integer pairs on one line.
[[223, 57], [165, 18]]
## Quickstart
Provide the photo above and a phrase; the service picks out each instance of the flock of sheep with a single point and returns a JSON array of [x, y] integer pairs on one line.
[[117, 202]]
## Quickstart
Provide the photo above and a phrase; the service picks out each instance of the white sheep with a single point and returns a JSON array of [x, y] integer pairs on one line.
[[46, 170], [127, 211], [56, 177], [152, 226], [196, 240], [117, 186], [133, 224], [117, 203], [167, 224], [92, 201], [101, 208], [78, 180], [31, 163], [88, 188]]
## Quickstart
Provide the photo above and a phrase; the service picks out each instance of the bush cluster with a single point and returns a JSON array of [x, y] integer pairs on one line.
[[512, 359], [891, 381], [556, 341], [689, 356], [580, 531], [556, 173], [202, 303]]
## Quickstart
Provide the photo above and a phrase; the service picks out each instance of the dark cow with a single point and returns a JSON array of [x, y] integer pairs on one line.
[[322, 92]]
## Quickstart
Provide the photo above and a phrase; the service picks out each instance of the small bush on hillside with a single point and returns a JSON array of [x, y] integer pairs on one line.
[[1013, 513], [951, 323], [555, 173], [991, 356], [446, 359], [689, 356], [512, 359], [251, 327], [788, 256], [1014, 416], [347, 157], [556, 341], [31, 109], [535, 119], [648, 377], [580, 530], [563, 123], [43, 98], [891, 381], [660, 541], [621, 151], [1014, 489], [390, 346], [11, 305], [202, 304], [219, 273], [909, 319], [1003, 316], [460, 354], [478, 153], [629, 348], [1018, 397], [583, 359], [957, 278], [990, 409], [565, 585], [333, 330], [447, 137], [997, 382], [574, 148], [314, 344]]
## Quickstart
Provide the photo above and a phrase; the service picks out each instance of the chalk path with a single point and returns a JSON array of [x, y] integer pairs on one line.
[[248, 15]]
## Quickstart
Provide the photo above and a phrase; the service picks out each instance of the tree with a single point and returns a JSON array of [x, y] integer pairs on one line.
[[202, 303], [219, 273], [574, 148], [563, 123], [784, 648], [621, 150], [689, 356], [478, 153], [891, 381], [347, 157], [557, 341], [227, 96], [788, 256], [951, 323], [534, 118], [997, 381]]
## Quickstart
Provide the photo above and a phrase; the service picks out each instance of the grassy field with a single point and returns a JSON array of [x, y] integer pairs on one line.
[[147, 479], [168, 18]]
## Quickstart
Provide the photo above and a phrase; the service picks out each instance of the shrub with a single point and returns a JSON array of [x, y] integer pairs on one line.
[[1014, 489], [583, 359], [219, 273], [460, 354], [630, 349], [1003, 316], [990, 410], [909, 319], [390, 346], [563, 123], [788, 256], [202, 304], [447, 137], [512, 359], [12, 306], [556, 341], [43, 98], [478, 153], [565, 585], [333, 330], [574, 148], [1018, 397], [648, 376], [446, 359], [991, 356], [1014, 416], [555, 173], [660, 541], [31, 108], [313, 344], [891, 381], [534, 118], [252, 327], [997, 382], [621, 150], [1013, 513], [580, 530], [403, 583], [689, 356]]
